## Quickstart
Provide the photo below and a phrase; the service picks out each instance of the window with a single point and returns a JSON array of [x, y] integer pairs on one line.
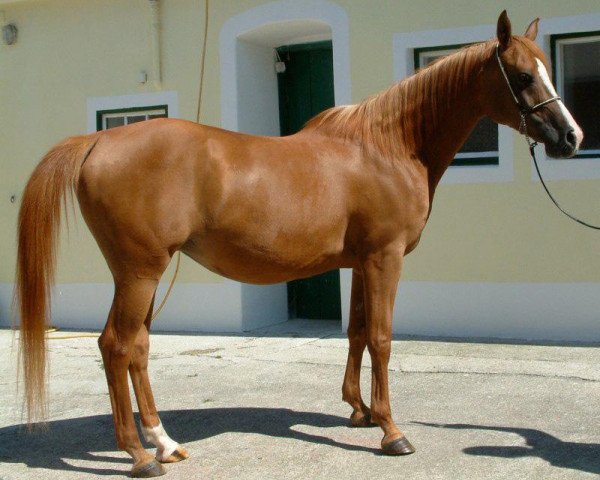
[[481, 148], [106, 119], [575, 59]]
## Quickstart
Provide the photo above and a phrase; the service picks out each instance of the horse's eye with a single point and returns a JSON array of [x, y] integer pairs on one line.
[[525, 79]]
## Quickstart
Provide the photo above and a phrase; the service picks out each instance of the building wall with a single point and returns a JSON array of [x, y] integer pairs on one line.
[[501, 239]]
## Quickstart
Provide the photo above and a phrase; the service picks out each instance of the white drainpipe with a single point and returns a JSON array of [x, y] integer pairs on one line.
[[155, 28]]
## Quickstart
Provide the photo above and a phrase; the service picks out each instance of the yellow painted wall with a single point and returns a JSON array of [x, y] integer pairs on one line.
[[69, 50]]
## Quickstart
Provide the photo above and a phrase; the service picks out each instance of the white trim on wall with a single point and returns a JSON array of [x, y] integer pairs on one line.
[[282, 11], [403, 46], [525, 311], [226, 306], [578, 168], [94, 104]]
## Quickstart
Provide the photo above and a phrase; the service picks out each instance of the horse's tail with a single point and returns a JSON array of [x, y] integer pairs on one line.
[[51, 185]]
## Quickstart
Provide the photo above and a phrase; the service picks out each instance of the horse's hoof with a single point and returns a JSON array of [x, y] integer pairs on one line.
[[178, 455], [361, 420], [400, 446], [148, 470]]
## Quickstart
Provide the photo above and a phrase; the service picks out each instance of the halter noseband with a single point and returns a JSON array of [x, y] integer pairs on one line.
[[524, 110]]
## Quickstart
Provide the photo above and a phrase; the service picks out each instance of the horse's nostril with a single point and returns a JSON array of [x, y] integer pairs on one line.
[[570, 138]]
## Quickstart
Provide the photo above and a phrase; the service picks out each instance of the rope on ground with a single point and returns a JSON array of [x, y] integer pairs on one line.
[[75, 335]]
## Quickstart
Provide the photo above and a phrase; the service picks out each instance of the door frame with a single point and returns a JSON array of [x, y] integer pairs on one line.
[[234, 72]]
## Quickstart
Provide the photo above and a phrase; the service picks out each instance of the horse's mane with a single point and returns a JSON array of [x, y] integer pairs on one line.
[[399, 117]]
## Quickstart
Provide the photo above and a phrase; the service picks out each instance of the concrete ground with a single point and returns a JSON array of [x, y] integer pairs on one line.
[[267, 405]]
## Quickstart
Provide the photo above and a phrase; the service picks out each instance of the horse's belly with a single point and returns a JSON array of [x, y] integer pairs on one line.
[[251, 261]]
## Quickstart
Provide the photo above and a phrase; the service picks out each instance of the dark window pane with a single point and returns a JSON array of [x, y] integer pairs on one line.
[[461, 161], [112, 122], [484, 138], [581, 88], [135, 119], [157, 115]]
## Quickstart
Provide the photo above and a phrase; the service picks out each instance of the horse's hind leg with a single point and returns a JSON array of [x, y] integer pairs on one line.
[[131, 304], [167, 450], [357, 338]]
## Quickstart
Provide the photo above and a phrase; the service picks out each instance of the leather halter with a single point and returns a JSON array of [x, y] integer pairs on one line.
[[524, 110]]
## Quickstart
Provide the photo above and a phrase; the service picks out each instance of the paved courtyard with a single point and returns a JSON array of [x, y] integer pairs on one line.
[[267, 405]]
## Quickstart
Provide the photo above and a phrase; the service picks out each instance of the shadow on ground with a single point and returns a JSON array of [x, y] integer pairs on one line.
[[571, 455], [82, 438]]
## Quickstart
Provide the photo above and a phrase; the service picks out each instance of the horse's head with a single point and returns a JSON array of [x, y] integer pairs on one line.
[[518, 86]]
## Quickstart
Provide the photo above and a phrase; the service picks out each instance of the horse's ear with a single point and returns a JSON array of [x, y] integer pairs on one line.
[[504, 30], [532, 30]]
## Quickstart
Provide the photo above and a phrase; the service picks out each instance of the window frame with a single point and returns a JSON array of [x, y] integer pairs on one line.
[[133, 101], [102, 115], [461, 159], [556, 40], [404, 45]]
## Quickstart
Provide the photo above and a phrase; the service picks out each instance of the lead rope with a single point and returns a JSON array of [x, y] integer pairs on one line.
[[200, 85], [532, 145]]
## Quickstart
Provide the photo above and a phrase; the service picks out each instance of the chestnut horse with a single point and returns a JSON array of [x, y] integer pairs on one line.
[[353, 189]]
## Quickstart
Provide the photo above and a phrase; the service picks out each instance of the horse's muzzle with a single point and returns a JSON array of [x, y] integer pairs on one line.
[[565, 144]]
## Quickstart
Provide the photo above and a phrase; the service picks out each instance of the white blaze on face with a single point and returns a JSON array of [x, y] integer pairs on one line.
[[545, 78], [164, 444]]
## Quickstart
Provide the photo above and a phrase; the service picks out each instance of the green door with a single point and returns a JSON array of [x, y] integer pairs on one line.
[[306, 89]]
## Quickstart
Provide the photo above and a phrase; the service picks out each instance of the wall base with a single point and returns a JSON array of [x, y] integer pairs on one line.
[[524, 311], [200, 307]]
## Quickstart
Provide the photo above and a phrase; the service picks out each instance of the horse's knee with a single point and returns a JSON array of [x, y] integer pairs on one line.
[[102, 341], [356, 331], [357, 335], [379, 345]]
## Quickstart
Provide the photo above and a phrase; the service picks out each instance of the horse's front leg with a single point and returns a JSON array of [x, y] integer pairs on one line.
[[381, 273], [357, 339]]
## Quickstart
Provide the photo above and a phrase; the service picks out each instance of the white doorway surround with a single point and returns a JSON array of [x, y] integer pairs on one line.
[[249, 92]]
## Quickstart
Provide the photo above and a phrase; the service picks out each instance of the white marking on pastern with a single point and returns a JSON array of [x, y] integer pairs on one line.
[[158, 437]]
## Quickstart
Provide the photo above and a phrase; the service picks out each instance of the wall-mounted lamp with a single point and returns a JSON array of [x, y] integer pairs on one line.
[[9, 34]]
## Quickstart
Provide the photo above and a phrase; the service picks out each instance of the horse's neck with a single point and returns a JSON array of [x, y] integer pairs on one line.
[[447, 117], [450, 131], [426, 117]]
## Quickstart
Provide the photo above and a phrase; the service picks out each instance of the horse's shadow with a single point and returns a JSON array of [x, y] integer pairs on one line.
[[81, 438], [571, 455]]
